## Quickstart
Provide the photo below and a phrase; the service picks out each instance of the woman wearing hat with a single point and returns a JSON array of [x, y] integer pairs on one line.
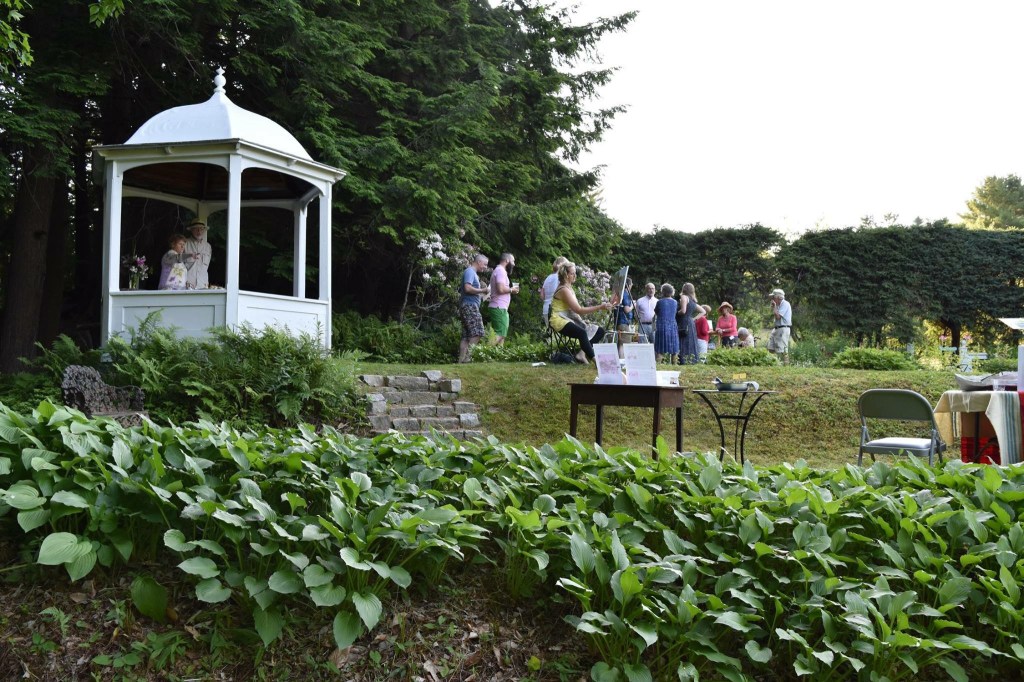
[[197, 247], [727, 326]]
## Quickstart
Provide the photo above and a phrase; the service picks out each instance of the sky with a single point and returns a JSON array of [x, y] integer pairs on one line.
[[804, 114]]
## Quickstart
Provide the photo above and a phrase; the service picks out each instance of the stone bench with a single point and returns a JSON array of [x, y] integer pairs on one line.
[[83, 389]]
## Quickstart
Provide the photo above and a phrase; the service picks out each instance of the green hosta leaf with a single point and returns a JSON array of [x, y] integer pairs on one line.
[[315, 575], [637, 672], [923, 577], [294, 501], [734, 620], [647, 631], [62, 548], [400, 577], [229, 518], [174, 539], [1010, 585], [122, 455], [212, 591], [33, 518], [545, 504], [70, 499], [619, 552], [953, 669], [80, 567], [298, 559], [758, 654], [954, 591], [285, 581], [602, 672], [210, 546], [200, 566], [540, 556], [350, 555], [23, 496], [40, 464], [262, 508], [761, 549], [313, 533], [630, 585], [269, 624], [150, 598], [582, 553], [347, 629], [327, 594], [5, 466], [710, 477], [361, 480], [526, 520], [471, 488], [369, 608]]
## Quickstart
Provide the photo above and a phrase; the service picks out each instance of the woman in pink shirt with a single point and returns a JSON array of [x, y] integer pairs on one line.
[[703, 328], [727, 326]]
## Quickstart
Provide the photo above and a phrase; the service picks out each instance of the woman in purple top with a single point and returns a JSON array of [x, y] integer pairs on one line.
[[666, 333]]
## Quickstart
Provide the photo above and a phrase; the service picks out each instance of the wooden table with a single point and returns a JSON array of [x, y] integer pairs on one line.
[[740, 415], [601, 395]]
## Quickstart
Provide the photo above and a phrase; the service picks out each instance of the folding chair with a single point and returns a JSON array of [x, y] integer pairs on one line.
[[899, 405], [560, 343]]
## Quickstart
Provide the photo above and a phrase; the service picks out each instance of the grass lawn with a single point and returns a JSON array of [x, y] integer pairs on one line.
[[813, 417]]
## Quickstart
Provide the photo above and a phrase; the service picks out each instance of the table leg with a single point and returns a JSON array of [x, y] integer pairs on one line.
[[657, 427], [679, 429], [574, 413], [599, 409]]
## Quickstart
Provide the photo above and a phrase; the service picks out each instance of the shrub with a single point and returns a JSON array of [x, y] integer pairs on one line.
[[873, 358], [742, 357], [994, 365], [391, 341], [816, 351], [244, 377], [522, 349]]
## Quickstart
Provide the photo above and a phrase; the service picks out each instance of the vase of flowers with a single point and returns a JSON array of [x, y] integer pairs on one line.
[[137, 270]]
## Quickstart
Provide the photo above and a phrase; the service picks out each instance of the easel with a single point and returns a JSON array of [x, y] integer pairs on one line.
[[618, 294]]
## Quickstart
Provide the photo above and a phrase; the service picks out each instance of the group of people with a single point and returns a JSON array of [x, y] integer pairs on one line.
[[680, 329], [186, 265]]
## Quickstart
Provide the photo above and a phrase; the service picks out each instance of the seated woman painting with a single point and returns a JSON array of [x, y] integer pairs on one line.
[[566, 314]]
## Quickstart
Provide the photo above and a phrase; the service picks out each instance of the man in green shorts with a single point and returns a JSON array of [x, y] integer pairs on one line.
[[501, 295]]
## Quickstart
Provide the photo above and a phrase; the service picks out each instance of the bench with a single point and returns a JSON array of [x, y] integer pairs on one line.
[[83, 389]]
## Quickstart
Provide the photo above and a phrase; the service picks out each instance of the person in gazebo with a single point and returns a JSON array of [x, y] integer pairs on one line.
[[202, 254], [174, 265]]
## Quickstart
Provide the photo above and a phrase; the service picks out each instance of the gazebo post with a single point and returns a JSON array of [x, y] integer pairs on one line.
[[324, 293], [111, 242], [233, 240], [299, 251]]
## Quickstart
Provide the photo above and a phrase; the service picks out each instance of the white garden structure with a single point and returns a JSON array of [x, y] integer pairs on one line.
[[212, 157]]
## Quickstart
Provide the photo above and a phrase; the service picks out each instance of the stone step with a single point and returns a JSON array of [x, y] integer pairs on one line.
[[461, 435]]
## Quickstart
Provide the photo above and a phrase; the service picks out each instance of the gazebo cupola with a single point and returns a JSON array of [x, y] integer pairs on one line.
[[209, 158]]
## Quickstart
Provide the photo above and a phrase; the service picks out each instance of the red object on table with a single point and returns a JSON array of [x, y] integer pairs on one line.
[[978, 443]]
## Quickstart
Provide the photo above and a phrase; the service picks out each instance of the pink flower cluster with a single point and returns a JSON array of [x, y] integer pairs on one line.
[[136, 265]]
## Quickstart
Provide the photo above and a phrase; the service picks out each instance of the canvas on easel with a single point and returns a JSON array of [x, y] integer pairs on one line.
[[618, 287]]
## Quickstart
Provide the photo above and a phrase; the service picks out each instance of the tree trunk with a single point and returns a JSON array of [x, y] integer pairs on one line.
[[56, 265], [27, 269]]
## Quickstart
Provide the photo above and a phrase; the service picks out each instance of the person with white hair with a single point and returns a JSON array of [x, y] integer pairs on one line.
[[778, 341], [199, 249], [744, 339]]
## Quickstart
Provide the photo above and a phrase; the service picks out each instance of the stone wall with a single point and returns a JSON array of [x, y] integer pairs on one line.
[[420, 404]]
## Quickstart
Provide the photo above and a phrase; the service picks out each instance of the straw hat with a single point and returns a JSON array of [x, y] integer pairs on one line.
[[196, 223], [725, 304]]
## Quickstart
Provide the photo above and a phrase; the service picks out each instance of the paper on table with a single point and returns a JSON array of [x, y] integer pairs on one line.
[[606, 355], [640, 367]]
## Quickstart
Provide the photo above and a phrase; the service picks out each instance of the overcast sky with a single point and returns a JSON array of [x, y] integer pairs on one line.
[[796, 113]]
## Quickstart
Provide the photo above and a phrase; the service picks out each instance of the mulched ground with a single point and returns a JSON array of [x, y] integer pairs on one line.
[[51, 629]]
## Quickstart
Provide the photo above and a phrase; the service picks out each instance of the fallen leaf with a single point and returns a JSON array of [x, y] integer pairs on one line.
[[78, 597], [431, 670], [497, 657], [192, 631], [339, 657], [473, 658]]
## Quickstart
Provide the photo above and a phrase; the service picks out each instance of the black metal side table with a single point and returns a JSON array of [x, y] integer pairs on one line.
[[741, 415]]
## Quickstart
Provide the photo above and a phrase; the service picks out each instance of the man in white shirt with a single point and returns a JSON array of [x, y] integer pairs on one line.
[[645, 312], [782, 311]]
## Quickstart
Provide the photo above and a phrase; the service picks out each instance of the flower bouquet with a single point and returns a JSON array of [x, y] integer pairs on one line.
[[137, 270]]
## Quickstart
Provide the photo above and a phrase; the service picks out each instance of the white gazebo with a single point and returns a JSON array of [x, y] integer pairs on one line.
[[212, 157]]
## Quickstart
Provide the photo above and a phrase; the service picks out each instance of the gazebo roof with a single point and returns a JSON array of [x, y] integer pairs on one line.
[[218, 118]]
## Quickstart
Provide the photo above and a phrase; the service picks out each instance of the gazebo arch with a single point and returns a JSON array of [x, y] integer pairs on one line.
[[174, 157]]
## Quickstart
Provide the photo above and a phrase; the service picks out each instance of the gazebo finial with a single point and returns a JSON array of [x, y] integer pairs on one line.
[[219, 80]]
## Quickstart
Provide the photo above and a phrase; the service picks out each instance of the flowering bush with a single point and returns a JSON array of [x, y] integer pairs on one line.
[[137, 269], [592, 286]]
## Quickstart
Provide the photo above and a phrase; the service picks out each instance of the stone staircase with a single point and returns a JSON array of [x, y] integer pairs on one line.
[[417, 405]]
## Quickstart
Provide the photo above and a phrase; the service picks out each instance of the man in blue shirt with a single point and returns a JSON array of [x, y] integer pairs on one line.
[[782, 311], [469, 306]]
